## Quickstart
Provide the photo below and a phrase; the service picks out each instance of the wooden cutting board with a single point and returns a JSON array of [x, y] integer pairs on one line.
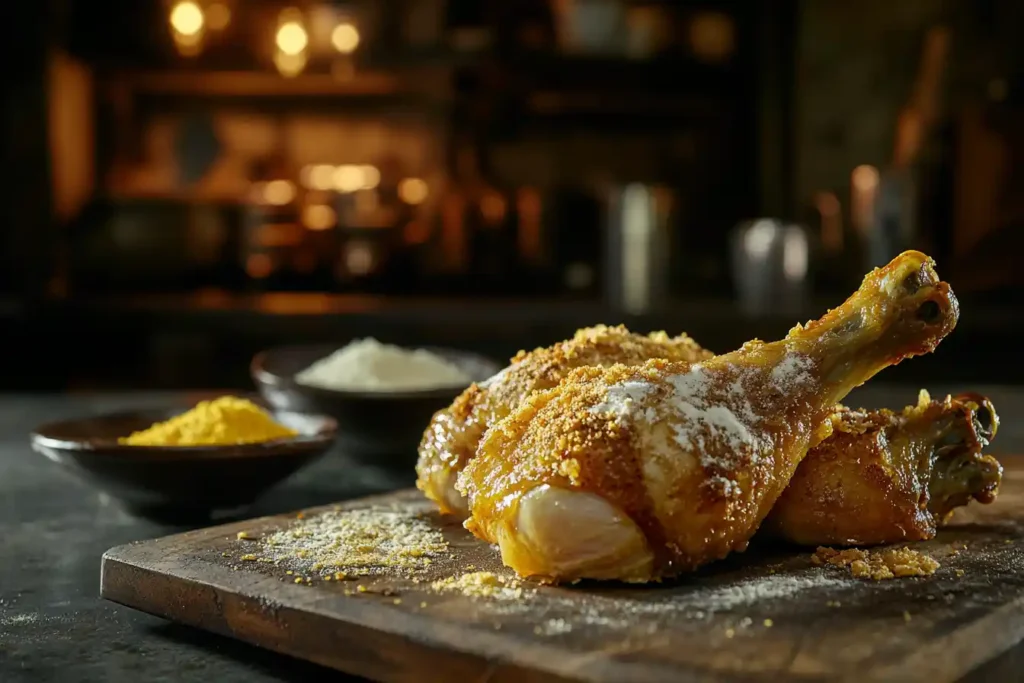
[[767, 614]]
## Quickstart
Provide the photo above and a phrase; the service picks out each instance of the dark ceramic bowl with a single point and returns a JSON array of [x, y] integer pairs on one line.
[[380, 428], [174, 483]]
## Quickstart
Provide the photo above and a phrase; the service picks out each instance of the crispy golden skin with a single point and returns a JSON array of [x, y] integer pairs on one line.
[[451, 439], [885, 477], [637, 473]]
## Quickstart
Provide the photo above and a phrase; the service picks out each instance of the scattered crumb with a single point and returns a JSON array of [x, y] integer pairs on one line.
[[480, 585], [361, 589], [248, 558], [423, 605], [833, 603], [906, 616], [397, 601], [298, 579], [363, 542], [888, 563], [768, 623], [958, 572], [729, 633], [245, 536]]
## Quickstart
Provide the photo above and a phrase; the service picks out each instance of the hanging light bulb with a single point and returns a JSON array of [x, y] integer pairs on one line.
[[187, 18], [413, 191], [291, 41], [345, 37], [291, 38], [188, 24]]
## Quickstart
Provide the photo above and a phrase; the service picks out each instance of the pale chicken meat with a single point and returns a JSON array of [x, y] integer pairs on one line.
[[638, 473], [885, 477], [452, 437]]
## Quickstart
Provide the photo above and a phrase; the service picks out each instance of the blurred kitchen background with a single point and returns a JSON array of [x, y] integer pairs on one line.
[[189, 181]]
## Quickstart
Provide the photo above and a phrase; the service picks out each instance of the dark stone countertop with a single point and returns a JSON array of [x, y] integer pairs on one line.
[[53, 530]]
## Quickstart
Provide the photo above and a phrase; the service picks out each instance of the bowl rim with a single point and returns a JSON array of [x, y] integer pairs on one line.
[[303, 444], [264, 377]]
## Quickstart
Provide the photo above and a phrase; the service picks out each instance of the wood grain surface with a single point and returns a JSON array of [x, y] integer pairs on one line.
[[765, 615]]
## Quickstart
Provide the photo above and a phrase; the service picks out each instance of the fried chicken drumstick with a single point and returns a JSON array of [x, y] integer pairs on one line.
[[885, 477], [638, 473], [452, 437]]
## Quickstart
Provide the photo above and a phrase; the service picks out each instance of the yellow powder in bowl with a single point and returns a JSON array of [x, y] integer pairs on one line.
[[225, 421]]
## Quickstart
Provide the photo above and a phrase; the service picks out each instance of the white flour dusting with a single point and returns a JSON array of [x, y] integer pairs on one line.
[[704, 415], [697, 602], [18, 619], [793, 371], [722, 431], [620, 399], [725, 486], [761, 589], [368, 365]]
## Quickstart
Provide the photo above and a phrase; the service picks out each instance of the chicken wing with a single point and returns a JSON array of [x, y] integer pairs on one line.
[[637, 473], [451, 439], [885, 477]]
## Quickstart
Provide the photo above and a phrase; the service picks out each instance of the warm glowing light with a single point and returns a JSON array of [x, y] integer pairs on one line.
[[187, 18], [292, 38], [279, 192], [864, 181], [345, 38], [865, 177], [359, 258], [318, 217], [289, 65], [218, 16], [348, 178], [259, 265], [371, 176], [413, 191], [318, 176]]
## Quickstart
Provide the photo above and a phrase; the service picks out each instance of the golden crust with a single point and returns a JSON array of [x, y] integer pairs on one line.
[[692, 504], [452, 437], [886, 477]]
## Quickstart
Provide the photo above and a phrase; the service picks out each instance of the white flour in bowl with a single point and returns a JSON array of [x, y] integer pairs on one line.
[[368, 365]]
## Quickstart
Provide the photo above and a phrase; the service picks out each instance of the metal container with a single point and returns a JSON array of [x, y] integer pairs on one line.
[[770, 267], [638, 247]]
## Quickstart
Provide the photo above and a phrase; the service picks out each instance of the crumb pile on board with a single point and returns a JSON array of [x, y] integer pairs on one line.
[[341, 544], [878, 565]]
